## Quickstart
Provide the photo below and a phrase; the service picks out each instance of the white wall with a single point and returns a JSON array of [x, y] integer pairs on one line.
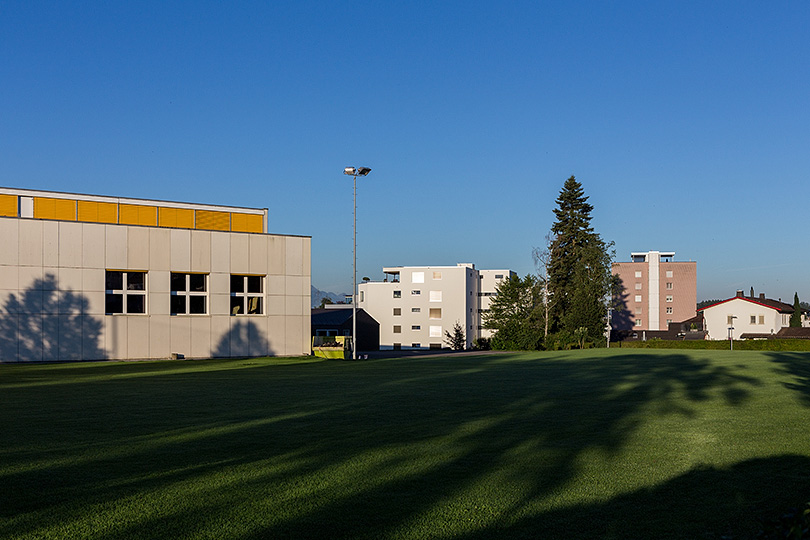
[[716, 319]]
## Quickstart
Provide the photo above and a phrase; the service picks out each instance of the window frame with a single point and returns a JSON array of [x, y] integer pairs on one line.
[[188, 294], [125, 291], [247, 295]]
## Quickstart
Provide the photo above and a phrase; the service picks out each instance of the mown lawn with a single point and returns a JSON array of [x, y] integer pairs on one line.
[[583, 444]]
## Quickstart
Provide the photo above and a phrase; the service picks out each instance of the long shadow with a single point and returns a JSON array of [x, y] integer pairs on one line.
[[364, 450], [244, 339], [46, 323], [796, 365]]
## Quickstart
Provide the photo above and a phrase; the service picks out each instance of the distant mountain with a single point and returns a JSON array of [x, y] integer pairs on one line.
[[318, 295]]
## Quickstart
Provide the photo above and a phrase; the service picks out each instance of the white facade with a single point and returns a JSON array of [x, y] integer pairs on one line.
[[416, 305], [747, 316], [75, 289]]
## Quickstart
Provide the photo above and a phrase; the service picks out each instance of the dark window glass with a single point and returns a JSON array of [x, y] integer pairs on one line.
[[255, 305], [196, 282], [254, 284], [237, 305], [136, 303], [178, 282], [196, 304], [178, 305], [237, 284], [136, 281], [114, 281], [114, 303]]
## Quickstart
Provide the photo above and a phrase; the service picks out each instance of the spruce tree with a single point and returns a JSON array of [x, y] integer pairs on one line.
[[796, 317], [579, 272]]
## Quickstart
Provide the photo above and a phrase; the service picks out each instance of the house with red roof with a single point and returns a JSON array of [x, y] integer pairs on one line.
[[747, 317]]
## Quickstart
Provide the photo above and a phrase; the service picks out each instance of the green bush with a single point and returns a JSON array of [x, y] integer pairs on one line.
[[720, 345]]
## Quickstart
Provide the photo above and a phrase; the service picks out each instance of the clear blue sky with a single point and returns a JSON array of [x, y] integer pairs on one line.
[[688, 123]]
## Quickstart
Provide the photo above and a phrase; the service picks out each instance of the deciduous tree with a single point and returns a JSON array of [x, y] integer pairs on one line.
[[515, 314]]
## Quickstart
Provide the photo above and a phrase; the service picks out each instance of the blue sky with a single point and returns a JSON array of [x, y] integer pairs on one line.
[[688, 123]]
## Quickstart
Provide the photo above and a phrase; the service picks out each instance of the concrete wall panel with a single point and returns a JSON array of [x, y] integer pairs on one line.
[[220, 252], [30, 243], [180, 251], [93, 245], [116, 247], [50, 243], [159, 249], [200, 251], [240, 263], [159, 336], [200, 337], [70, 244], [138, 248], [9, 241]]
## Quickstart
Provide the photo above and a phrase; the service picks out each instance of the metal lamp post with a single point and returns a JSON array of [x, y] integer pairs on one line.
[[355, 172], [731, 333]]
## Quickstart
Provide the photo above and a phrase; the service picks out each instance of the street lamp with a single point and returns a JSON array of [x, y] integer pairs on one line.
[[355, 172]]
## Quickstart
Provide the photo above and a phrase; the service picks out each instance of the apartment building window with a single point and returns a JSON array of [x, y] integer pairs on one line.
[[669, 310], [397, 329], [416, 327], [418, 277], [247, 295], [397, 294], [498, 276], [638, 298], [638, 322], [436, 313], [638, 286], [125, 292], [669, 273], [638, 273], [669, 321], [638, 311], [762, 319], [753, 319], [435, 331], [189, 294], [669, 298], [397, 311], [435, 296], [669, 285], [416, 310], [437, 275], [416, 292], [416, 345]]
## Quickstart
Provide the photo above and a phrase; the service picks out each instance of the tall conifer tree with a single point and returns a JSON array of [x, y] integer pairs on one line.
[[796, 317], [579, 272]]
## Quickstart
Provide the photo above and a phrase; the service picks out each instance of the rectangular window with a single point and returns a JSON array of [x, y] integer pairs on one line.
[[397, 329], [753, 319], [415, 310], [416, 345], [397, 311], [125, 292], [638, 322], [417, 277], [762, 319], [669, 273], [247, 295], [435, 313], [669, 298], [437, 275], [669, 285], [638, 286], [638, 273], [669, 310], [669, 321], [498, 276], [638, 311], [189, 294], [435, 331], [638, 298], [730, 320], [435, 296], [416, 327], [397, 294], [416, 292]]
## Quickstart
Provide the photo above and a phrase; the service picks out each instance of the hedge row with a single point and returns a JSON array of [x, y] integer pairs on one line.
[[745, 345]]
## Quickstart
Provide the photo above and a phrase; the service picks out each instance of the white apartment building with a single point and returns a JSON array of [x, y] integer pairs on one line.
[[744, 317], [86, 277], [416, 305]]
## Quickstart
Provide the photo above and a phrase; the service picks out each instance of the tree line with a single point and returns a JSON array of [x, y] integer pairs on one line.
[[565, 304]]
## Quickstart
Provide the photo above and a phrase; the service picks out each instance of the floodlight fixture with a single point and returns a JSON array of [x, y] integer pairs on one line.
[[354, 172], [351, 171], [363, 171]]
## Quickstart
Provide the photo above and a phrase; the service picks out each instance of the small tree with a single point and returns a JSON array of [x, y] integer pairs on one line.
[[796, 317], [516, 314], [457, 340]]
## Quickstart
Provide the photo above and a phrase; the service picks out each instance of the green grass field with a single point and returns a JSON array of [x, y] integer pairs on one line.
[[582, 444]]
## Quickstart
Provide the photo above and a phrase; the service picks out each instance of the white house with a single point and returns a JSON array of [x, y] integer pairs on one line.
[[750, 317], [416, 305], [85, 277]]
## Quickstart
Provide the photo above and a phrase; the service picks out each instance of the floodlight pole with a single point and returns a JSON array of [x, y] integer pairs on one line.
[[354, 172], [731, 333]]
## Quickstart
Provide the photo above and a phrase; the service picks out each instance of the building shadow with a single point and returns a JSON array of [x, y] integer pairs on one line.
[[797, 365], [244, 339], [622, 321], [44, 323]]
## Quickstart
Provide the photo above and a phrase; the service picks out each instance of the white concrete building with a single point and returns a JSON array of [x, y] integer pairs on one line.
[[750, 317], [416, 305], [86, 277]]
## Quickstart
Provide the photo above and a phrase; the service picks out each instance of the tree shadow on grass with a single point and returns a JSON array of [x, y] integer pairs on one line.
[[460, 447], [797, 365]]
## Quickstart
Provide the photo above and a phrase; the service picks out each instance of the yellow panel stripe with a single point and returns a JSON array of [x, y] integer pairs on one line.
[[8, 205], [136, 214], [48, 208], [98, 212], [247, 222], [214, 221], [176, 217]]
